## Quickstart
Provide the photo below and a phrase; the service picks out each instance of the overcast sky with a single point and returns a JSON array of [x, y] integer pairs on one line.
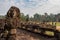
[[31, 6]]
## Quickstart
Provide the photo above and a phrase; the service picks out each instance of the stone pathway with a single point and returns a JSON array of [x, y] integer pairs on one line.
[[24, 35]]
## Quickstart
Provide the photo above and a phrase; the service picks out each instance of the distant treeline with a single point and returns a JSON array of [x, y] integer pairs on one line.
[[39, 17]]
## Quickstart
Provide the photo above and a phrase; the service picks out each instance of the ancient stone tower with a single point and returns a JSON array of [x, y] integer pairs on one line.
[[12, 22]]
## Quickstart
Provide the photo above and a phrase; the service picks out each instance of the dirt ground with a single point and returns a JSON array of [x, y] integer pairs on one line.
[[58, 28]]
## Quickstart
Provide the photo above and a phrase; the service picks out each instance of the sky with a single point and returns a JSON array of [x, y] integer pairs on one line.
[[31, 6]]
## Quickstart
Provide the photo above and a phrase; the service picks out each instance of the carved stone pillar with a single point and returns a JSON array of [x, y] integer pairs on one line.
[[12, 22]]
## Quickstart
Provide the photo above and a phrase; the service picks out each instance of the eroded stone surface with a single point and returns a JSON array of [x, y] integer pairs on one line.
[[24, 35]]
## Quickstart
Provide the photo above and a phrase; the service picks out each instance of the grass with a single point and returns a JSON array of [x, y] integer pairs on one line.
[[57, 23], [57, 26], [49, 33]]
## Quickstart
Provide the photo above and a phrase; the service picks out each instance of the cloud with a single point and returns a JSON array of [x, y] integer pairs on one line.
[[31, 6], [34, 3], [55, 2]]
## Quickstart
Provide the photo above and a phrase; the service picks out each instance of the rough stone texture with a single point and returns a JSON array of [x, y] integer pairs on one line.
[[13, 31], [25, 35], [12, 21]]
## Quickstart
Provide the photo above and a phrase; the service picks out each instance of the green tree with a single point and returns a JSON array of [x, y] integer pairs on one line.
[[52, 17], [27, 17], [36, 17], [22, 16]]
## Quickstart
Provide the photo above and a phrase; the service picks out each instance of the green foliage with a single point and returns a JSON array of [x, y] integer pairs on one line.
[[45, 17], [36, 17], [22, 16], [39, 17], [2, 17]]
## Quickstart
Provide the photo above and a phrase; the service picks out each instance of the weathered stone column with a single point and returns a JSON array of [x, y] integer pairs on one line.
[[12, 22]]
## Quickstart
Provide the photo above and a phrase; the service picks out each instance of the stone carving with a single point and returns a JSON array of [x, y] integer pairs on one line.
[[12, 22]]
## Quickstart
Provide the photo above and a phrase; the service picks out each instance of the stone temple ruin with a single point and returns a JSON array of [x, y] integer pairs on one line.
[[12, 21]]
